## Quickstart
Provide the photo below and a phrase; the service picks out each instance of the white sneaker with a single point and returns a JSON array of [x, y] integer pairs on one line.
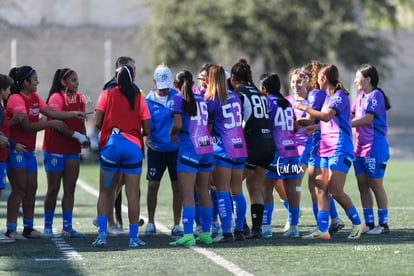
[[150, 229], [34, 234], [267, 231], [177, 231], [293, 232], [16, 236], [115, 230], [379, 229], [5, 239], [198, 230], [287, 226]]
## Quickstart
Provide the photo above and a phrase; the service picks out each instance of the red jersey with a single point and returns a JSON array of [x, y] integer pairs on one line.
[[30, 105], [118, 114], [54, 142], [5, 129]]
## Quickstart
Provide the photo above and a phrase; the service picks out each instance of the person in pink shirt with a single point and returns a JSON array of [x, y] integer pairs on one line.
[[22, 167]]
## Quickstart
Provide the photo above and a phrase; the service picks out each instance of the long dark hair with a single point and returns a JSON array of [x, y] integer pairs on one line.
[[184, 82], [368, 70], [272, 84], [242, 72], [60, 74], [19, 75], [124, 79], [331, 73]]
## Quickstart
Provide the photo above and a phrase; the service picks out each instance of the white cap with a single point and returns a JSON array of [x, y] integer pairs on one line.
[[163, 78]]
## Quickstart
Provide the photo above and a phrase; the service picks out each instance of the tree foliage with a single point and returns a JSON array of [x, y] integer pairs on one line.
[[281, 34]]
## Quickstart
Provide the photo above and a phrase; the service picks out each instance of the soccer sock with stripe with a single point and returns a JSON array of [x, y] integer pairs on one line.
[[48, 218], [267, 214], [239, 209], [353, 215], [188, 219], [383, 216], [368, 215], [224, 208], [67, 220]]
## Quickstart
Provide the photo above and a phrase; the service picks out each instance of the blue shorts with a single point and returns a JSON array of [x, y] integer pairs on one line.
[[25, 160], [374, 165], [284, 168], [158, 161], [340, 163], [314, 161], [304, 158], [3, 174], [55, 162], [190, 161], [120, 154], [231, 163]]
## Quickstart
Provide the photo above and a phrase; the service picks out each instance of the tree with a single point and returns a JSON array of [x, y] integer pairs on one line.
[[282, 34]]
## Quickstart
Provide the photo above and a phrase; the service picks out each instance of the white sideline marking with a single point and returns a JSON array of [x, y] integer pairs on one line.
[[68, 252], [231, 267]]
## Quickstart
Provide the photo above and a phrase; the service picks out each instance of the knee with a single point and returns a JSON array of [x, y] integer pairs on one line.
[[153, 186]]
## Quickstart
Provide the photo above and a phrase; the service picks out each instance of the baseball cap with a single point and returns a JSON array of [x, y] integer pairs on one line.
[[163, 78]]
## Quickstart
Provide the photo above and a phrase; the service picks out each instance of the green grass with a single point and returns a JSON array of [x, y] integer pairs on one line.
[[390, 254]]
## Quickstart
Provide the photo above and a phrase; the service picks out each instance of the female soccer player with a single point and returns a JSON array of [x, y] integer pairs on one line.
[[371, 148], [195, 158], [61, 151], [285, 164], [119, 114], [336, 152], [258, 136], [22, 167], [229, 151]]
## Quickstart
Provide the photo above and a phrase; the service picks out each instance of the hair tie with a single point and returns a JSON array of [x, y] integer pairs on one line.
[[117, 71], [27, 75], [64, 75]]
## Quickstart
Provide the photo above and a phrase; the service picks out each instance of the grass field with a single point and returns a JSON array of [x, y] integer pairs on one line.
[[391, 254]]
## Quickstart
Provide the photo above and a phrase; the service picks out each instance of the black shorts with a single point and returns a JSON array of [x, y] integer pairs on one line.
[[157, 163], [260, 151]]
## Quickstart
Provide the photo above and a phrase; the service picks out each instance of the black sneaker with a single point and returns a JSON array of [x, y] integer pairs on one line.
[[246, 229], [256, 234], [239, 235], [227, 238], [368, 227]]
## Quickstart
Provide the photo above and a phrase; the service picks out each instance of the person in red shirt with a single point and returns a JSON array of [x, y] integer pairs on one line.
[[22, 167], [61, 151], [119, 114]]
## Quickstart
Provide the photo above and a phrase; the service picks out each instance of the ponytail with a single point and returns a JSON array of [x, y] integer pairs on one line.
[[184, 82], [123, 77]]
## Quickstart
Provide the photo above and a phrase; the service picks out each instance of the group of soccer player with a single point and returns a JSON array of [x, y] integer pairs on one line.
[[210, 138]]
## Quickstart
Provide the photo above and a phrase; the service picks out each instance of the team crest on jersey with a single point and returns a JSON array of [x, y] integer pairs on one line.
[[374, 103], [337, 100]]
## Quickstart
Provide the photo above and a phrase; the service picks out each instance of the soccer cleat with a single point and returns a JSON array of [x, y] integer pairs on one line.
[[14, 235], [115, 230], [317, 235], [267, 231], [380, 229], [215, 228], [177, 231], [368, 227], [293, 232], [356, 231], [5, 239], [31, 233], [135, 242], [255, 234], [224, 238], [205, 238], [246, 229], [239, 236], [48, 232], [72, 233], [287, 227], [336, 225], [186, 240], [100, 240], [150, 229]]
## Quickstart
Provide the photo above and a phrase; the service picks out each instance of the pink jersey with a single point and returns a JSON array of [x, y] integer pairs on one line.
[[30, 105], [300, 137], [373, 137]]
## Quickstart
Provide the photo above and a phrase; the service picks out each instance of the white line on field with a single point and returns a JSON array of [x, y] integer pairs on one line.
[[231, 267], [68, 252]]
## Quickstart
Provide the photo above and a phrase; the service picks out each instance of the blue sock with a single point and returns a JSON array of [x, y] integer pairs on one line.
[[332, 211], [383, 216], [353, 215], [188, 219], [206, 213], [323, 220], [214, 199], [133, 231], [48, 218], [102, 224], [240, 207], [11, 226], [294, 215], [27, 223], [224, 209], [67, 220], [315, 210], [267, 214], [368, 215]]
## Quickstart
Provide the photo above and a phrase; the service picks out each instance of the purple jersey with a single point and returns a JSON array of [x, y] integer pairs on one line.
[[227, 126], [373, 137], [316, 98], [301, 138], [194, 129], [283, 126], [336, 134]]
